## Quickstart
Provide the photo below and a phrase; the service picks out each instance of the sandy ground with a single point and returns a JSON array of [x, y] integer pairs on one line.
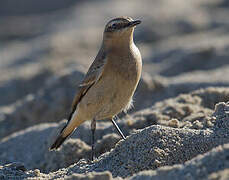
[[178, 127]]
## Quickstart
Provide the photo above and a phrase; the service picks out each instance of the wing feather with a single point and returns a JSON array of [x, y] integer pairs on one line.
[[92, 76], [95, 70]]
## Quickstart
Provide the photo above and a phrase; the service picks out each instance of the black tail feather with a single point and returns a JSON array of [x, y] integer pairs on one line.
[[58, 142], [60, 139]]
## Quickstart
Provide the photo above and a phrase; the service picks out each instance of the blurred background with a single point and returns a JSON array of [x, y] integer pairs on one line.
[[47, 46]]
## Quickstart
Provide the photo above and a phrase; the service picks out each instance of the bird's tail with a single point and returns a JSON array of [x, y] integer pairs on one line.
[[73, 122], [63, 135]]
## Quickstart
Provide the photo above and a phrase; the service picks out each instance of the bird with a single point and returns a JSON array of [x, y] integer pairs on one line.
[[109, 85]]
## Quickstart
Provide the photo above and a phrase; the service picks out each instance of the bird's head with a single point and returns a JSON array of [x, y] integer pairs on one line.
[[120, 28]]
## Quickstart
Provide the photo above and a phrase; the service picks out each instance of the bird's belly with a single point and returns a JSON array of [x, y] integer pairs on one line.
[[107, 98]]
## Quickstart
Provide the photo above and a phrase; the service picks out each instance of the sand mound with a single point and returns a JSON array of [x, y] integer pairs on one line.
[[146, 149]]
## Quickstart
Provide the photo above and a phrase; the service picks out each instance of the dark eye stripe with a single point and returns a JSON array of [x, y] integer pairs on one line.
[[116, 26]]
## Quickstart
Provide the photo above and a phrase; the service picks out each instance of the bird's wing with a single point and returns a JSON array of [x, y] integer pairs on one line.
[[95, 70], [93, 75]]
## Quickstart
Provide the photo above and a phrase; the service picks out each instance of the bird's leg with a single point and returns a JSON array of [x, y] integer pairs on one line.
[[93, 127], [118, 129]]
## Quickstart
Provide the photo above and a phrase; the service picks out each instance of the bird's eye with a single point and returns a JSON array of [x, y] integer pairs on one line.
[[114, 25]]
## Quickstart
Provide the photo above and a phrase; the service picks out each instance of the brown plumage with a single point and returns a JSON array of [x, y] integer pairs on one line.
[[111, 80]]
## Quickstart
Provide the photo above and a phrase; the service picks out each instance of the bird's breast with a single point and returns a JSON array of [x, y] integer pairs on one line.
[[125, 64]]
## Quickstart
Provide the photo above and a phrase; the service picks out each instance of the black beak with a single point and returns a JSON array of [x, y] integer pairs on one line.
[[134, 23]]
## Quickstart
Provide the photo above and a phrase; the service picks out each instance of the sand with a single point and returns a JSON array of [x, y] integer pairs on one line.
[[178, 127]]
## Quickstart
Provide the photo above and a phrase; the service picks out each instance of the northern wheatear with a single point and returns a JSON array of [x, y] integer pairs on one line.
[[110, 82]]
